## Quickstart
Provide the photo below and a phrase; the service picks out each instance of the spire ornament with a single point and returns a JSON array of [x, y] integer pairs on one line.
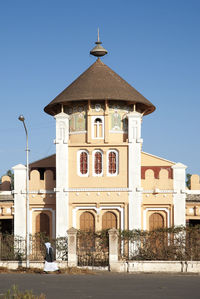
[[98, 50]]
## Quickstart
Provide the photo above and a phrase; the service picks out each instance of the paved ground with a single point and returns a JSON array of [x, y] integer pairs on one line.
[[106, 285]]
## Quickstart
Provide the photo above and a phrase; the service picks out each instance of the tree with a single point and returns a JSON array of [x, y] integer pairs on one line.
[[188, 182]]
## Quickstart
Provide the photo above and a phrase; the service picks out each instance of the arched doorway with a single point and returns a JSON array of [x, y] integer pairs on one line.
[[109, 220], [42, 224], [156, 220], [87, 238], [87, 222], [157, 239], [42, 231]]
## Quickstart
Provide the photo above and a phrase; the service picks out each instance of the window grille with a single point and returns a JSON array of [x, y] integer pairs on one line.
[[83, 163], [98, 163]]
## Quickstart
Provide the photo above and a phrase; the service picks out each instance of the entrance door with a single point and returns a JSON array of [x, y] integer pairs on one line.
[[156, 220], [109, 220], [87, 222], [42, 224]]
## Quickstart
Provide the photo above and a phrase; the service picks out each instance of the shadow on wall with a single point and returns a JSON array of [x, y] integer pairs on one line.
[[5, 183]]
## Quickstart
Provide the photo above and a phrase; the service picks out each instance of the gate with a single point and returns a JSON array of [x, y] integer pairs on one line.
[[92, 249]]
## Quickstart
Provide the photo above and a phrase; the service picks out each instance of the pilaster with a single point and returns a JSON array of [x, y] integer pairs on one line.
[[134, 169], [20, 200], [179, 196], [62, 137]]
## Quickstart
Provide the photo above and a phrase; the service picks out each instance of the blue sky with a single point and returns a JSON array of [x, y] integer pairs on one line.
[[154, 45]]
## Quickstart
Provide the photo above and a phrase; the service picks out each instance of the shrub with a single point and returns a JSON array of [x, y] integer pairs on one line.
[[15, 293]]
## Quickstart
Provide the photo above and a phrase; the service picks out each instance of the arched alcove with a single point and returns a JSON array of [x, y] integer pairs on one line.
[[109, 220], [87, 222]]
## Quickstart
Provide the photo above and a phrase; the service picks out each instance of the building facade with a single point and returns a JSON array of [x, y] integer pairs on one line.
[[99, 177]]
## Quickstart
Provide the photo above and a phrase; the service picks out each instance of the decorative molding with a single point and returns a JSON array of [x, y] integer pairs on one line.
[[96, 190], [157, 191], [78, 132], [37, 191], [157, 210], [156, 170], [192, 191], [118, 132], [97, 210]]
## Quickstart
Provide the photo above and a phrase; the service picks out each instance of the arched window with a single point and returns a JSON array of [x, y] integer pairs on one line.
[[112, 162], [42, 224], [156, 220], [82, 163], [109, 220], [97, 163], [98, 127], [87, 222]]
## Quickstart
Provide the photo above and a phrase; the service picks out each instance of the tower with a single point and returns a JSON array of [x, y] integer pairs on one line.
[[98, 150]]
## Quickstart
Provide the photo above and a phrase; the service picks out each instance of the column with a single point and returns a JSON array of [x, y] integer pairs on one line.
[[72, 240], [134, 169], [179, 196], [20, 200], [62, 137]]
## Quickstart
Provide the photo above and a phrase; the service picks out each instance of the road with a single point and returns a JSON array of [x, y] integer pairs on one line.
[[105, 285]]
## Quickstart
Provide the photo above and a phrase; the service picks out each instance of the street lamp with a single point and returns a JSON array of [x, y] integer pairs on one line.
[[21, 118]]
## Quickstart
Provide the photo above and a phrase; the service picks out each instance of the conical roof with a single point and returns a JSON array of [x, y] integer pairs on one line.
[[99, 82]]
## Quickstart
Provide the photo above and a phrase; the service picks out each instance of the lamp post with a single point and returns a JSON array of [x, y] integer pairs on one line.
[[21, 118]]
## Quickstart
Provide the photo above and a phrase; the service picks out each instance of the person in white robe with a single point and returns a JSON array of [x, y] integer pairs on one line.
[[50, 265]]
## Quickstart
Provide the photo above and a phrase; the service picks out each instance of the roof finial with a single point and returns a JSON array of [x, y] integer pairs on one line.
[[98, 34], [98, 50]]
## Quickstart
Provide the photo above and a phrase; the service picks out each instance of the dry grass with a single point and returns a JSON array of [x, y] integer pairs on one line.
[[75, 270], [14, 292], [70, 271]]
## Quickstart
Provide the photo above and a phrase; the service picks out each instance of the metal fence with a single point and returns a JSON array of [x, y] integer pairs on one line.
[[14, 248], [180, 243], [92, 248], [173, 244]]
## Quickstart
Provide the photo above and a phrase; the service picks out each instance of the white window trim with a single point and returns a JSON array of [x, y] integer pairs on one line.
[[98, 210], [53, 223], [93, 120], [93, 163], [78, 163], [117, 162], [155, 210]]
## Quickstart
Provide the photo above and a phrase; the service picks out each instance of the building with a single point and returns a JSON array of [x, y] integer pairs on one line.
[[6, 206], [99, 177]]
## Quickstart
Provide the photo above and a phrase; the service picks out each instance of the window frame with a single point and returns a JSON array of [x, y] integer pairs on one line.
[[93, 163], [117, 162], [79, 163], [93, 126]]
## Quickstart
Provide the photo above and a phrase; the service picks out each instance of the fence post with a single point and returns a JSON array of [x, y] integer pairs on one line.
[[114, 263], [113, 249], [72, 254], [0, 246]]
